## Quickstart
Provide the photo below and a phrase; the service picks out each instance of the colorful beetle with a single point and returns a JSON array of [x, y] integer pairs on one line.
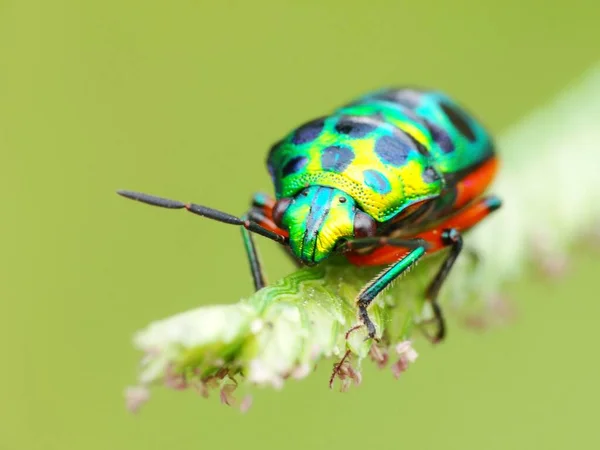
[[385, 180]]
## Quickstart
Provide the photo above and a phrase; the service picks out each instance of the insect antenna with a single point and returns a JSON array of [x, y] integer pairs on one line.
[[203, 211]]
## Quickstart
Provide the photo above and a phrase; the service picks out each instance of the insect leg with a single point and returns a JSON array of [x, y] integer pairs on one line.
[[452, 238], [260, 213], [366, 296], [449, 235], [258, 276], [262, 205]]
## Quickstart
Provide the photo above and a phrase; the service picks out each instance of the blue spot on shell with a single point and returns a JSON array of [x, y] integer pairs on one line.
[[336, 158], [391, 150], [294, 165], [308, 132], [377, 181]]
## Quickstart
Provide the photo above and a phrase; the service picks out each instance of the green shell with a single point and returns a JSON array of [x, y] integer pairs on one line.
[[388, 150]]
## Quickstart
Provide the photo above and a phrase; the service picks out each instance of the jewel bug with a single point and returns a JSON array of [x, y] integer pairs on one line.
[[385, 180]]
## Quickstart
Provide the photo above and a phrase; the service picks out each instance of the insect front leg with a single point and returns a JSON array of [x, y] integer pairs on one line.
[[256, 270], [261, 213], [368, 294]]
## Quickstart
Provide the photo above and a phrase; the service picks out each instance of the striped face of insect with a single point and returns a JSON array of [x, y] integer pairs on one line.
[[318, 218]]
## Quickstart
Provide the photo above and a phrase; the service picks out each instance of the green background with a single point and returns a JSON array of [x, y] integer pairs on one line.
[[182, 99]]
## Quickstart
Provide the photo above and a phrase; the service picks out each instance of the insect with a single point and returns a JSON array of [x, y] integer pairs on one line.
[[385, 180]]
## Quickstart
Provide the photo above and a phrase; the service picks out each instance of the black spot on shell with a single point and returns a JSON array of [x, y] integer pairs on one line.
[[294, 165], [336, 158], [353, 128], [308, 132], [459, 121], [391, 150], [440, 137], [430, 175]]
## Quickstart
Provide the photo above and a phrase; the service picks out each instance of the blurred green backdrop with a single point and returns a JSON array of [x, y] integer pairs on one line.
[[182, 99]]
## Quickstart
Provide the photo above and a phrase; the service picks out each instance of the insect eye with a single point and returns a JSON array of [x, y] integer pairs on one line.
[[279, 210], [364, 225]]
